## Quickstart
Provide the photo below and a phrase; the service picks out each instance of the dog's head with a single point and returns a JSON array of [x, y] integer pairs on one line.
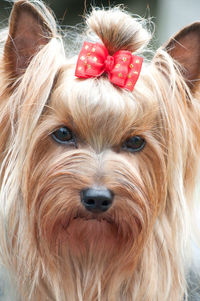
[[92, 173]]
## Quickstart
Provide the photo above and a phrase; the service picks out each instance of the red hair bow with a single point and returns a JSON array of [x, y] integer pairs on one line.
[[123, 68]]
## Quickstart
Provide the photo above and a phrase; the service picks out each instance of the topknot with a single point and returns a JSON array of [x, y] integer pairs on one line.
[[118, 30]]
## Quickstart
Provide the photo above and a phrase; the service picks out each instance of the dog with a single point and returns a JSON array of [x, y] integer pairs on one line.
[[100, 153]]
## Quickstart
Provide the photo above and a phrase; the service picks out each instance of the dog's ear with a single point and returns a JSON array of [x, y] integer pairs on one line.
[[31, 26], [184, 47]]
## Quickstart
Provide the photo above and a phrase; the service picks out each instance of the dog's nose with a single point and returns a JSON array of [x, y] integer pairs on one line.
[[97, 200]]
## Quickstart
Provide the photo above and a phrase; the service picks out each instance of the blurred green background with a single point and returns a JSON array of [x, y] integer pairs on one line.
[[168, 15]]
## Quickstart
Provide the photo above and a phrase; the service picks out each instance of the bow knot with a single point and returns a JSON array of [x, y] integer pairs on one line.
[[123, 68], [109, 63]]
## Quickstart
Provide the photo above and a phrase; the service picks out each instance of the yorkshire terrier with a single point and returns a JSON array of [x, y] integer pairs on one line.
[[99, 157]]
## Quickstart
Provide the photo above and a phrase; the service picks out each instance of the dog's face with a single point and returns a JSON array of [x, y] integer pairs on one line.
[[95, 171], [97, 166]]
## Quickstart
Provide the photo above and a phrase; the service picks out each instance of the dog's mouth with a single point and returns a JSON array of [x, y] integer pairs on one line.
[[96, 222], [93, 218], [96, 231], [103, 232], [82, 218], [89, 221], [90, 237]]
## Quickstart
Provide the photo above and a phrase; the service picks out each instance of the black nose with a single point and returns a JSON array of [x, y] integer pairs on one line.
[[97, 200]]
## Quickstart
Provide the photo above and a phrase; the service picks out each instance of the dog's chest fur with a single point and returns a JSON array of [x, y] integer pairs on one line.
[[9, 293]]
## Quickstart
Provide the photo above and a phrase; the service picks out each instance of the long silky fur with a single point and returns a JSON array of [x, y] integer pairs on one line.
[[141, 249]]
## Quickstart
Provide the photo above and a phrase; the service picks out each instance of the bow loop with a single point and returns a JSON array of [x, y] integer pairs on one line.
[[123, 68]]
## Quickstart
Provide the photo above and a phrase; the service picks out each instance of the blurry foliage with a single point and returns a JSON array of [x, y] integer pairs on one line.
[[70, 12]]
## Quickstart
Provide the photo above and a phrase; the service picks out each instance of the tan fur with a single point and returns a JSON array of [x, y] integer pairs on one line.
[[139, 249]]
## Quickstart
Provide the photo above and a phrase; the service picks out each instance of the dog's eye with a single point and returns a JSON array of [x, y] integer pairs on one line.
[[63, 135], [134, 144]]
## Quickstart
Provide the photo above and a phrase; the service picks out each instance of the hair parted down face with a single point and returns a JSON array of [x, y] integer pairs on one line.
[[55, 248]]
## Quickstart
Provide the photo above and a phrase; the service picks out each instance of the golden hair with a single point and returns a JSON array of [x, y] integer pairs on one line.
[[139, 249]]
